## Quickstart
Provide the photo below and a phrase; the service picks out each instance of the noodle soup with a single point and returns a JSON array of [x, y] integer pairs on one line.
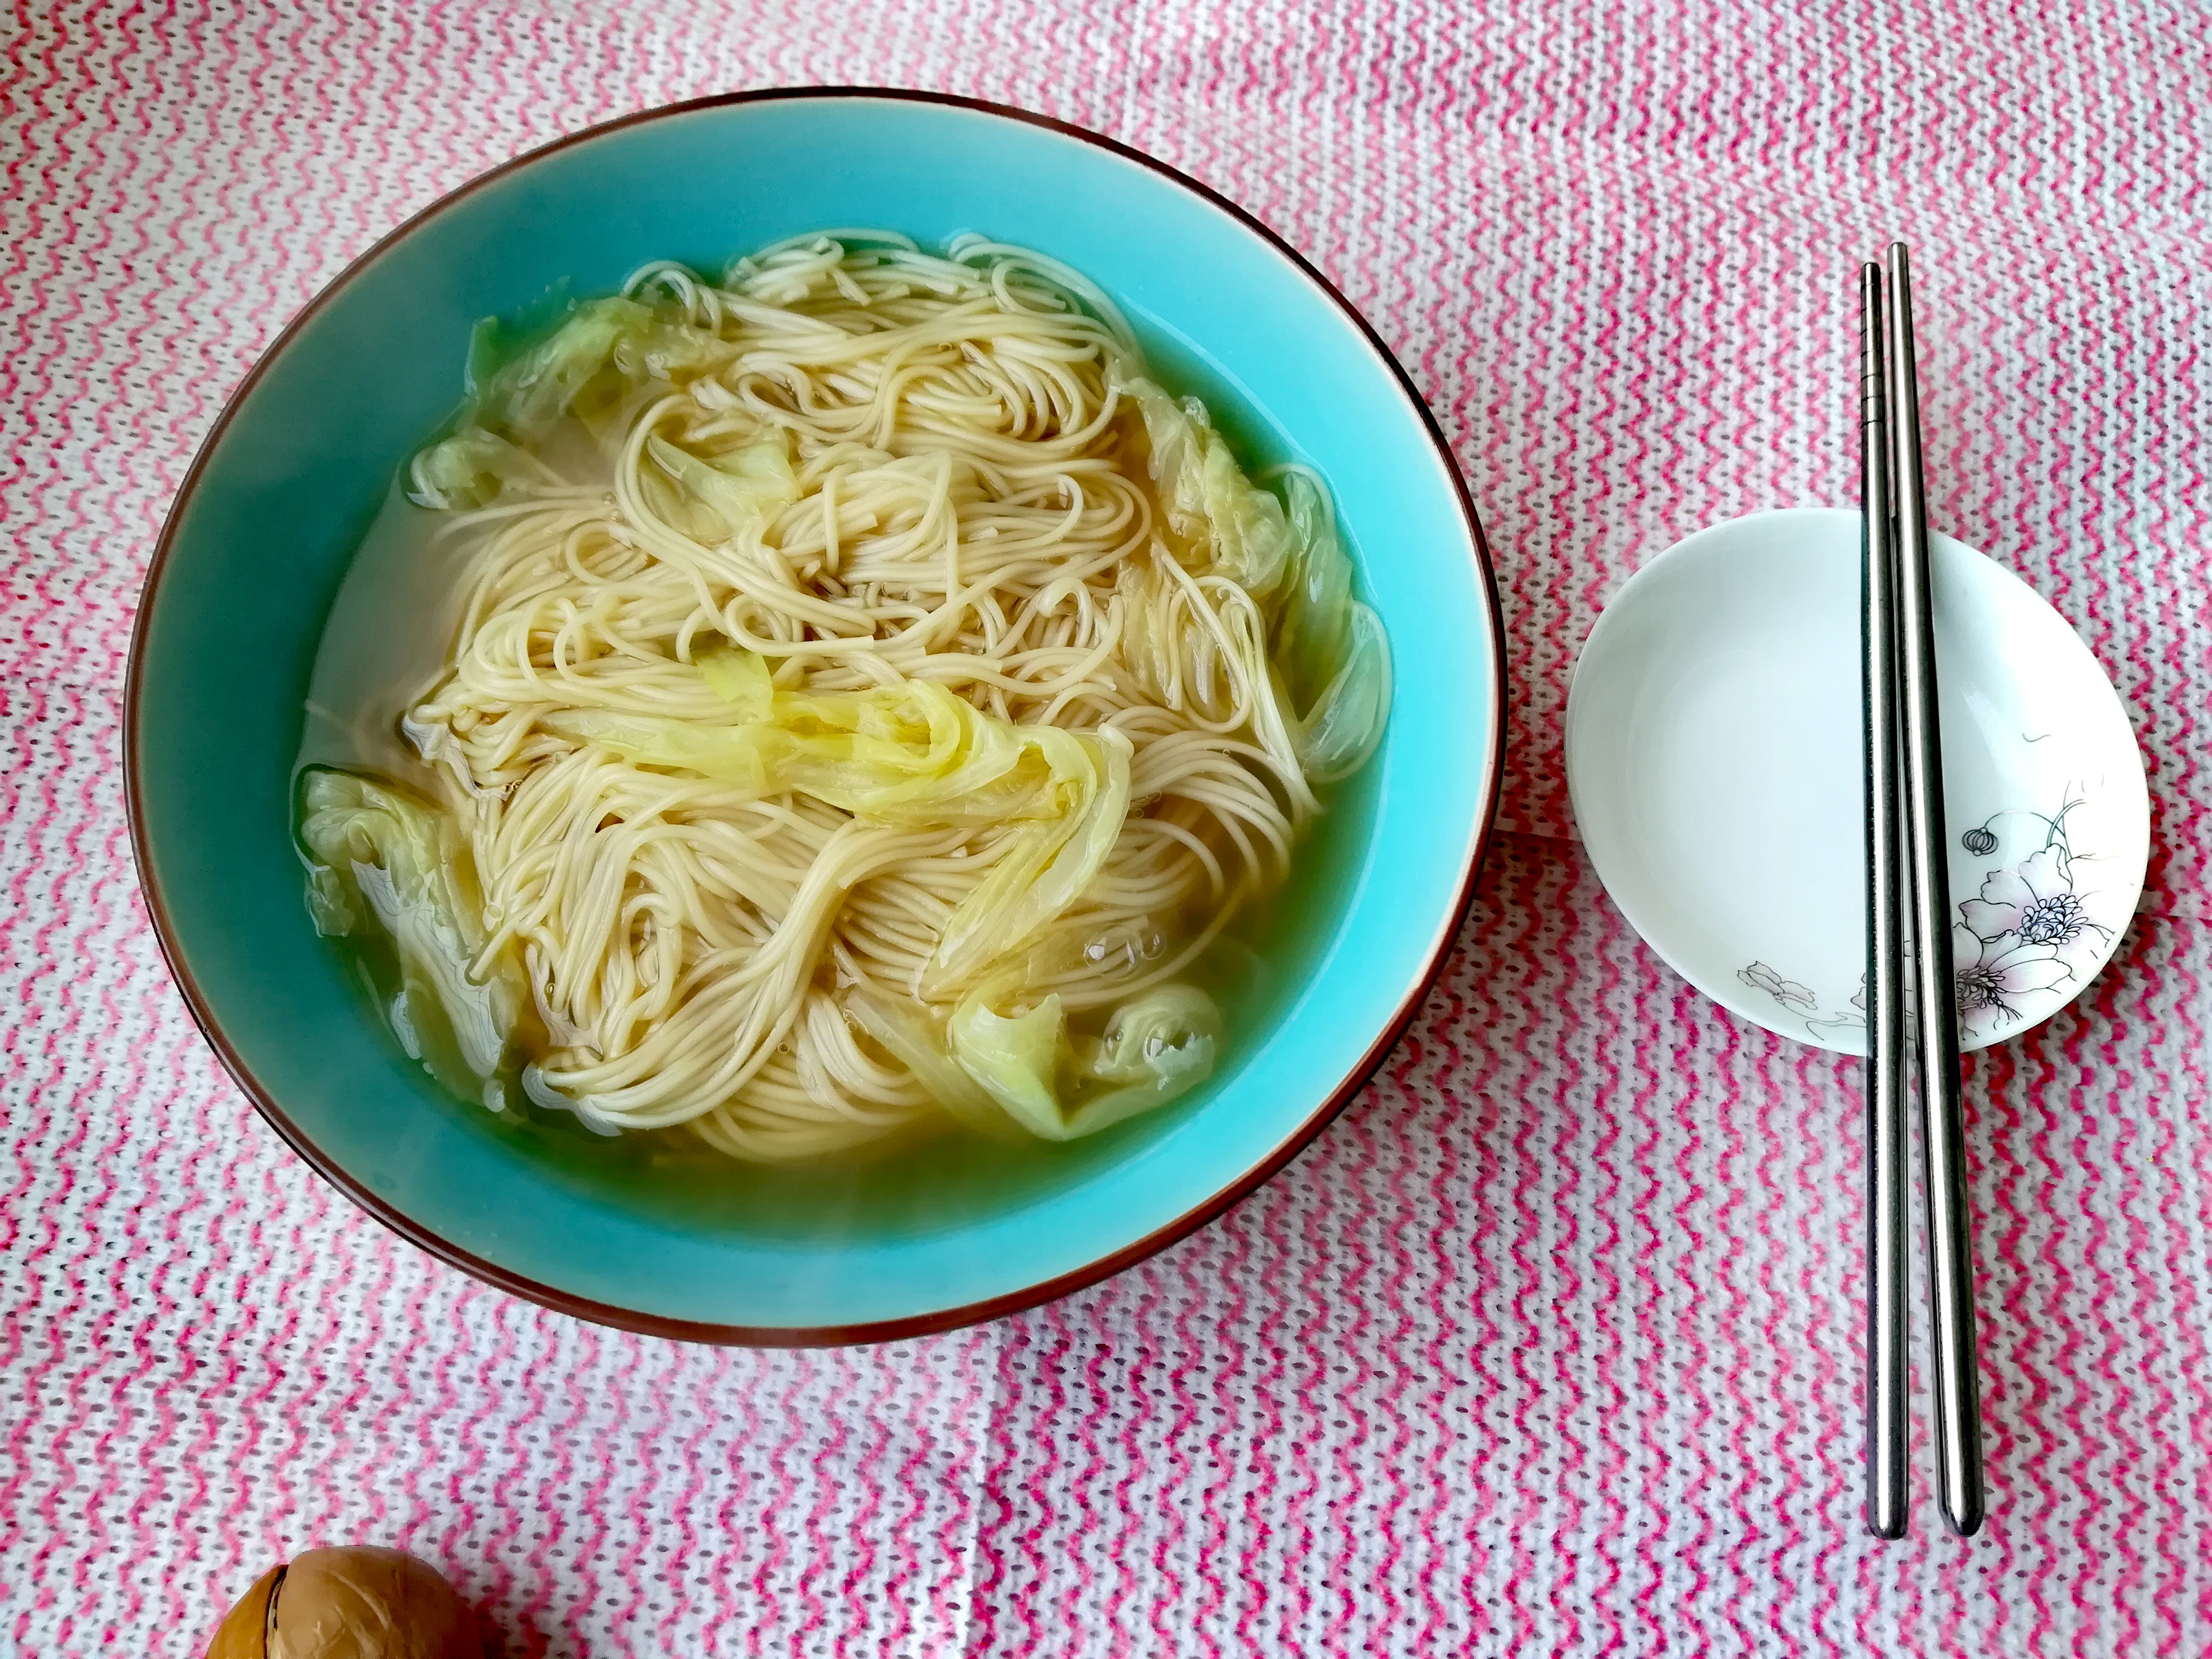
[[849, 705]]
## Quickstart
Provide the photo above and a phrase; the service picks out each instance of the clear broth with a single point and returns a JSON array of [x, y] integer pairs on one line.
[[367, 672]]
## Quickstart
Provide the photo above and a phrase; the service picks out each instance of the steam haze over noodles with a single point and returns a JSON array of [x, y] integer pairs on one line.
[[871, 695]]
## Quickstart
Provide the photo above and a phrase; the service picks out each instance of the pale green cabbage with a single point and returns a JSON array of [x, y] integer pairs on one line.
[[911, 1035], [1204, 496], [592, 368], [718, 496], [739, 677], [1327, 650], [917, 757], [378, 852], [1155, 1047], [468, 469]]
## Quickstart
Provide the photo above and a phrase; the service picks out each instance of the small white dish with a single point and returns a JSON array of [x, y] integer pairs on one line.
[[1714, 760]]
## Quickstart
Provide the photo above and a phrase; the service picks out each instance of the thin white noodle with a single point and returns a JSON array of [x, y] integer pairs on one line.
[[969, 513]]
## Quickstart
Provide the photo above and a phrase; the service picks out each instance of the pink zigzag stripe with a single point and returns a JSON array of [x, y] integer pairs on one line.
[[1563, 1225]]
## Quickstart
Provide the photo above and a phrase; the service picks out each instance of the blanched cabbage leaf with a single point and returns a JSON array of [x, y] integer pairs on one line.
[[913, 756], [1328, 649], [716, 496], [468, 469], [1337, 727], [911, 1035], [1161, 1040], [381, 854], [741, 678], [1157, 1046], [590, 368], [1086, 796], [1204, 496]]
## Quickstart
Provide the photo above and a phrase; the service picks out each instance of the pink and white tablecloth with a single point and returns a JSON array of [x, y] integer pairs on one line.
[[1549, 1346]]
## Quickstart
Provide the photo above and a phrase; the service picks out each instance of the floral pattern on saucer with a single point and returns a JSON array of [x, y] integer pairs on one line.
[[1803, 1000], [2028, 931]]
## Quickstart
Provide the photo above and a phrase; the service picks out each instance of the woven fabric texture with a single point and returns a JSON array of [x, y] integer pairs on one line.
[[1550, 1345]]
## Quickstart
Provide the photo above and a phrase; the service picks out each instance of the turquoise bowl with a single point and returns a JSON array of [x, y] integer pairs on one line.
[[932, 1237]]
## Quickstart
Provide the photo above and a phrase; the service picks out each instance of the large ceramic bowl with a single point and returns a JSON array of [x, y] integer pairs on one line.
[[263, 527]]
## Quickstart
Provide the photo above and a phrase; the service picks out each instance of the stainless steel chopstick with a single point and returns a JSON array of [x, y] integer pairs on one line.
[[1886, 1472], [1950, 1266]]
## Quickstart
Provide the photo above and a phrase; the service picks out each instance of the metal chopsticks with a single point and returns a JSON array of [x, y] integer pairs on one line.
[[1885, 997], [1903, 746]]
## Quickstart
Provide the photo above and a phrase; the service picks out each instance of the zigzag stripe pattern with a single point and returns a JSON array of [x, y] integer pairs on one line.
[[1550, 1345]]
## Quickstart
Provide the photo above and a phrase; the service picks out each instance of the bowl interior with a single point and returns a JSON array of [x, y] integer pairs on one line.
[[261, 539]]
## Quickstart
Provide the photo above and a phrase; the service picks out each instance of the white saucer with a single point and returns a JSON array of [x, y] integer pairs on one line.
[[1714, 760]]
